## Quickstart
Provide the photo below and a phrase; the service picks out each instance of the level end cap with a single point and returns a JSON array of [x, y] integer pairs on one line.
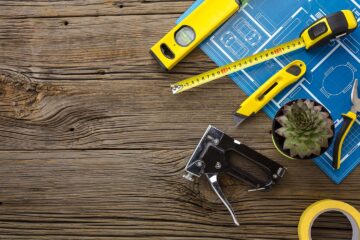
[[163, 67]]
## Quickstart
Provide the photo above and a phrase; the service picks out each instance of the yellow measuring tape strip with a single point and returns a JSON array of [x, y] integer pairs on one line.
[[237, 66], [321, 31], [315, 210]]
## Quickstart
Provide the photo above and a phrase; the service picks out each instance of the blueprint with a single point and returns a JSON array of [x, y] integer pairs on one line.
[[332, 68]]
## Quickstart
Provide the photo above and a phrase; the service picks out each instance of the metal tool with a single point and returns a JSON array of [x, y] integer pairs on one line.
[[272, 87], [348, 121], [190, 32], [320, 32], [212, 157]]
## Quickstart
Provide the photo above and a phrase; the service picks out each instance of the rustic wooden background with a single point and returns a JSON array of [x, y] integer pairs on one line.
[[93, 144]]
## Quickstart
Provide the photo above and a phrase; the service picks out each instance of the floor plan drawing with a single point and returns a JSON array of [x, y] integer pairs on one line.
[[332, 68]]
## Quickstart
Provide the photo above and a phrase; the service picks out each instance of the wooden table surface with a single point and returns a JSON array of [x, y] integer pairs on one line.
[[93, 144]]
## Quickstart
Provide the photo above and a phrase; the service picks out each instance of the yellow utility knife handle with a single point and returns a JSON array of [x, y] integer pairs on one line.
[[272, 87], [330, 27], [349, 120]]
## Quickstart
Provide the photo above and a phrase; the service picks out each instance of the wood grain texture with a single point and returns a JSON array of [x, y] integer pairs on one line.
[[71, 194], [93, 144]]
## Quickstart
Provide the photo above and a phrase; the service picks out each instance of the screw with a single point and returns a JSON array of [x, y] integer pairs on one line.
[[218, 165], [199, 163]]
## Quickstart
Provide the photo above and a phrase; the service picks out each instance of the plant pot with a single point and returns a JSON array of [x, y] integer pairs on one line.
[[279, 140]]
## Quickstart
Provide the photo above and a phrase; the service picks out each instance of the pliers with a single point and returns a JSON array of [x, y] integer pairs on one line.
[[349, 120]]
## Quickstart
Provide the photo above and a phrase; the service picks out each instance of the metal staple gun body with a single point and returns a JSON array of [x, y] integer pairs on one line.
[[212, 157]]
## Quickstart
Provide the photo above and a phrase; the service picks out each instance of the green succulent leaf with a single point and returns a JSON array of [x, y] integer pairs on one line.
[[306, 128]]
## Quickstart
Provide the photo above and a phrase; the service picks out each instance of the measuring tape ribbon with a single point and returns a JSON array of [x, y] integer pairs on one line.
[[320, 32], [237, 65]]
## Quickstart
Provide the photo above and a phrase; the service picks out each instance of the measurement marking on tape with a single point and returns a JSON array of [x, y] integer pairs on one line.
[[237, 65]]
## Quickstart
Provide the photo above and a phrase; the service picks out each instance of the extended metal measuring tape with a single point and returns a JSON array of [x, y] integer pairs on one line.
[[322, 31], [309, 216]]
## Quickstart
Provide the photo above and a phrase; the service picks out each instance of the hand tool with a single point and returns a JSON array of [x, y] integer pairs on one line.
[[316, 209], [348, 121], [320, 32], [272, 87], [190, 32], [212, 157]]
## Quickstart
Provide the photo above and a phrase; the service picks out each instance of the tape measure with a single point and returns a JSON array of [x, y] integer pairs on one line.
[[320, 32], [191, 31], [316, 209]]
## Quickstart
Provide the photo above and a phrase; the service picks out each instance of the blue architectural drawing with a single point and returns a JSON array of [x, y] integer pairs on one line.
[[332, 68]]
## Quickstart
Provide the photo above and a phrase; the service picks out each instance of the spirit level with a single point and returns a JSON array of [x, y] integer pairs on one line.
[[320, 32], [190, 32]]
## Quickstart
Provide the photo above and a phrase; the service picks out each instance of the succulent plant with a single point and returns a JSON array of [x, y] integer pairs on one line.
[[305, 127]]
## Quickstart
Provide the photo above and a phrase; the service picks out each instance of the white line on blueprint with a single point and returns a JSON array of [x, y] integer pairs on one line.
[[355, 3], [246, 74], [277, 31], [312, 95], [313, 18], [222, 57], [292, 90], [341, 161], [338, 122], [344, 158], [349, 51], [353, 39], [268, 40], [326, 57], [278, 105], [328, 155], [278, 62], [297, 12], [257, 24], [222, 50], [228, 56]]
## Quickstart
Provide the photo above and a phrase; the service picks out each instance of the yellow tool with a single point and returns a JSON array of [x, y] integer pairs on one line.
[[190, 32], [272, 87], [320, 32], [348, 121], [316, 209]]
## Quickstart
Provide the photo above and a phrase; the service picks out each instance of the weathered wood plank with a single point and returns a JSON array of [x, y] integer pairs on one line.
[[114, 47], [141, 194], [90, 85], [96, 8], [129, 114]]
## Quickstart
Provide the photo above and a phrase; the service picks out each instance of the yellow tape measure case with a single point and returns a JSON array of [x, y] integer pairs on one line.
[[190, 32], [333, 26]]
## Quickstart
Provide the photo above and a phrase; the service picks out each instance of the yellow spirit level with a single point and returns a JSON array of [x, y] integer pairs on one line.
[[190, 32], [320, 32]]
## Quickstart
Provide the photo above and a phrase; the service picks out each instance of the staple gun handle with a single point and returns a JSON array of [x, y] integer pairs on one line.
[[214, 183]]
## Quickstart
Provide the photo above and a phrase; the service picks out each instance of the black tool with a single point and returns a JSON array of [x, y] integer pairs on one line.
[[349, 120], [212, 157]]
